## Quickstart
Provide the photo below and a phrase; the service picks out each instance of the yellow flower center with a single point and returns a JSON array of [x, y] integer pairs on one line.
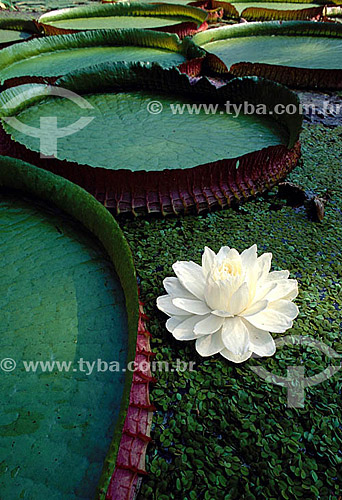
[[228, 269]]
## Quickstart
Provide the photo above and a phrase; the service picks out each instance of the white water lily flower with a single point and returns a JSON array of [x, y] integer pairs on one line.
[[230, 304]]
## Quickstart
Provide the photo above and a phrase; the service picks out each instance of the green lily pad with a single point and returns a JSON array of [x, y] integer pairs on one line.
[[63, 301], [53, 56]]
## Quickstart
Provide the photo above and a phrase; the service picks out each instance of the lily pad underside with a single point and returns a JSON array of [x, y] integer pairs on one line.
[[299, 54], [192, 162], [54, 56], [69, 293], [172, 18]]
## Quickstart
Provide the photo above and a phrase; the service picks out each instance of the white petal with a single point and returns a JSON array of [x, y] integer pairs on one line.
[[174, 288], [278, 275], [291, 295], [270, 320], [254, 308], [174, 321], [208, 258], [208, 345], [283, 289], [209, 325], [222, 314], [261, 342], [185, 330], [164, 303], [239, 300], [285, 307], [236, 358], [249, 257], [264, 266], [263, 289], [249, 264], [192, 306], [217, 294], [191, 277], [223, 253], [235, 335]]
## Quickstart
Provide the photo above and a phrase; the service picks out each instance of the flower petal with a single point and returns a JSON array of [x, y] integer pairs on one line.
[[285, 307], [254, 308], [263, 289], [208, 325], [278, 275], [208, 258], [191, 277], [249, 257], [222, 314], [236, 358], [185, 329], [175, 321], [282, 289], [264, 266], [239, 300], [217, 294], [261, 342], [164, 303], [249, 264], [174, 288], [270, 320], [207, 345], [235, 335], [223, 253], [192, 306]]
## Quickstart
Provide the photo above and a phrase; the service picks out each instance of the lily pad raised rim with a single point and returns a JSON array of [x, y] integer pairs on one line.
[[25, 178], [320, 79], [201, 188]]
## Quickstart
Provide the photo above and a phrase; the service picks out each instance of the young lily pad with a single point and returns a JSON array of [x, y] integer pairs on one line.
[[162, 17], [53, 56], [68, 294], [178, 160], [299, 54]]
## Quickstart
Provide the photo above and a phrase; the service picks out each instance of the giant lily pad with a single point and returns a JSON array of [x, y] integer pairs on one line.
[[53, 56], [176, 162], [67, 294], [162, 17], [300, 54]]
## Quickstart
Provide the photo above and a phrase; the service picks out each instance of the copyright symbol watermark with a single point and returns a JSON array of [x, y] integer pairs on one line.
[[8, 365], [48, 132], [154, 107]]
